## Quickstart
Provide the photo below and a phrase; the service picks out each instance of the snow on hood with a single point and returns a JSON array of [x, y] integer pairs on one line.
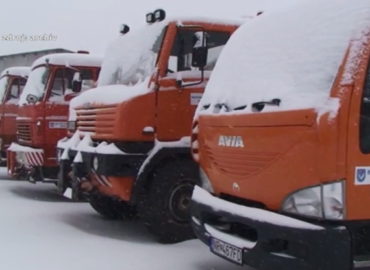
[[291, 54], [16, 71], [110, 94]]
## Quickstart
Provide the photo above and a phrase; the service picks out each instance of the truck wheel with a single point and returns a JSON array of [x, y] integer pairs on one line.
[[164, 206], [111, 208]]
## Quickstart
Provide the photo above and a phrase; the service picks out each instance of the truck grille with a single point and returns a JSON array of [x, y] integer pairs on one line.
[[24, 132], [240, 163], [97, 120]]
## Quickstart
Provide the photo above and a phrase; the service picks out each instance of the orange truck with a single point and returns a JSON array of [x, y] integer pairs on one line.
[[43, 112], [283, 143], [130, 149], [12, 82]]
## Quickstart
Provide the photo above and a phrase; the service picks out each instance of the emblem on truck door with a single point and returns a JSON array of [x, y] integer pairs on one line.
[[230, 141]]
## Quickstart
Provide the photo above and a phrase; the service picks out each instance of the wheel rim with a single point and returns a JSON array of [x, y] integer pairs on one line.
[[179, 201]]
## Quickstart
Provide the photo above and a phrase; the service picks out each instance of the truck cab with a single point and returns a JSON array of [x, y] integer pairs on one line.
[[130, 149], [283, 143], [12, 82], [43, 112]]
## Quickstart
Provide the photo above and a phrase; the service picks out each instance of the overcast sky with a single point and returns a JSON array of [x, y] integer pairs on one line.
[[91, 25]]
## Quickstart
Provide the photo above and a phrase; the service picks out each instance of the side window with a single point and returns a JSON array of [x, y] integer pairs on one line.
[[181, 53], [365, 116], [60, 83], [17, 87], [63, 78]]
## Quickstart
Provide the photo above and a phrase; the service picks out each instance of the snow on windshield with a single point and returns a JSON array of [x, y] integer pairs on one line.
[[292, 54], [3, 84], [35, 84], [131, 57]]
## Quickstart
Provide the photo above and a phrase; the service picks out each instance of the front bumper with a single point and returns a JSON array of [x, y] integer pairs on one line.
[[111, 161], [25, 155], [282, 242]]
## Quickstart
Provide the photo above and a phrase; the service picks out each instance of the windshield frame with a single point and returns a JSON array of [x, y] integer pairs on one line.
[[6, 86]]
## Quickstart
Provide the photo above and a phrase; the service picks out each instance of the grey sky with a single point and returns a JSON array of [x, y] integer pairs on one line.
[[91, 25]]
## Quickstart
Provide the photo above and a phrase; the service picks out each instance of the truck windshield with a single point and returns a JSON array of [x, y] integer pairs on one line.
[[35, 84], [132, 57], [3, 83]]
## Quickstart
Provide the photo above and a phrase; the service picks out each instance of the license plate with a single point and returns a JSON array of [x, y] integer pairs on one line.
[[226, 250]]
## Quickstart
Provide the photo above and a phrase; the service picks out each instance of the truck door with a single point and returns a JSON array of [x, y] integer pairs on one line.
[[358, 147], [176, 102]]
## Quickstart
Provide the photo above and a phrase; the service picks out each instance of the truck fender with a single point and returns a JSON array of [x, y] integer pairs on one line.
[[151, 163]]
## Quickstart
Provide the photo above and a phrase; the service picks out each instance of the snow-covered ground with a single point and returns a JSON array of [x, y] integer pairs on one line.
[[40, 230]]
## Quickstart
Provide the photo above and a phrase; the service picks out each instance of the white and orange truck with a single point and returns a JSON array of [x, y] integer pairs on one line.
[[43, 112], [12, 82], [282, 136], [129, 147]]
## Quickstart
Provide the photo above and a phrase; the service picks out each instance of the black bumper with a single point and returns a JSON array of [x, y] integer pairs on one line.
[[306, 249], [108, 164]]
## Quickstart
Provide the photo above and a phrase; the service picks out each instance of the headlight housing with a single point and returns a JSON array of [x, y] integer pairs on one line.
[[326, 201], [205, 182], [71, 126]]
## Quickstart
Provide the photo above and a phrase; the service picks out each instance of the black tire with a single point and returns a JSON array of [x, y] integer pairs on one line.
[[111, 208], [164, 206]]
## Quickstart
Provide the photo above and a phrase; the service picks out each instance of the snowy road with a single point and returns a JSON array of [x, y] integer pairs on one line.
[[40, 230]]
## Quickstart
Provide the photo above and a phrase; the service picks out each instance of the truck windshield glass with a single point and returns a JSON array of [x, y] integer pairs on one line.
[[35, 84], [132, 57], [17, 87], [3, 83]]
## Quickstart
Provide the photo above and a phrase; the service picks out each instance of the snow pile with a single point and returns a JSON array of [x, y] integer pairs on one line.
[[14, 147], [16, 71], [131, 57], [291, 54], [69, 59]]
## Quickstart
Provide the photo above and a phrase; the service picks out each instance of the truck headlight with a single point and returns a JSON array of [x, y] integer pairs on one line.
[[324, 201], [95, 163], [205, 182]]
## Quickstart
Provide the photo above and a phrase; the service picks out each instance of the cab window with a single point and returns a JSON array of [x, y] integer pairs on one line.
[[17, 87], [181, 53], [62, 83]]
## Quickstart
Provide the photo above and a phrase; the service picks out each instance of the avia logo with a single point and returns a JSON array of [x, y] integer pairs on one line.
[[230, 141]]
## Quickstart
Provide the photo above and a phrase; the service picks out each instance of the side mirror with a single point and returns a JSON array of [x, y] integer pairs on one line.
[[77, 82], [31, 99], [200, 50]]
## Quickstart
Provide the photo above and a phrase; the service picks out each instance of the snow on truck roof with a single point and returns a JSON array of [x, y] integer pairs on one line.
[[70, 59], [292, 54], [16, 71]]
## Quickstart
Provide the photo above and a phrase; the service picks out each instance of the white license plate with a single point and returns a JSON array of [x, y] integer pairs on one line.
[[226, 250]]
